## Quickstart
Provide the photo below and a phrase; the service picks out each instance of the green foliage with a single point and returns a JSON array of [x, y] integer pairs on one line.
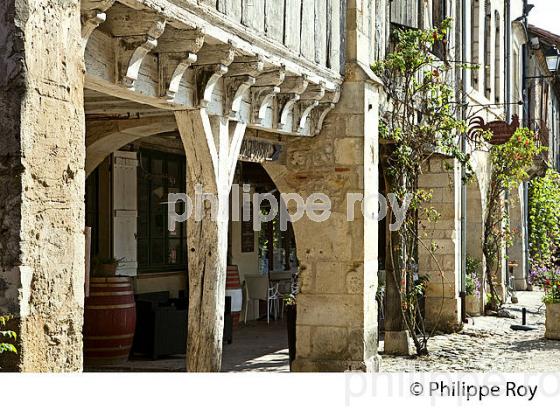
[[472, 280], [544, 218], [420, 121], [5, 336], [510, 164], [512, 160], [423, 115], [552, 296]]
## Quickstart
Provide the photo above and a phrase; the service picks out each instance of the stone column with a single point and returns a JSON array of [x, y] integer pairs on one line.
[[442, 266], [516, 252], [336, 309], [42, 179], [397, 339]]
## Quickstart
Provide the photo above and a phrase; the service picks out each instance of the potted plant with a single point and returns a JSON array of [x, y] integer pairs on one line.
[[547, 276], [473, 286], [291, 317], [105, 267], [551, 298]]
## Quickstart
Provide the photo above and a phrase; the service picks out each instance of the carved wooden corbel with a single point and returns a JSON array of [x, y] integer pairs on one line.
[[216, 54], [306, 107], [93, 15], [262, 98], [291, 91], [252, 66], [212, 65], [173, 81], [241, 76], [309, 101], [147, 44], [288, 101], [178, 52], [263, 92], [207, 79], [238, 87], [325, 107]]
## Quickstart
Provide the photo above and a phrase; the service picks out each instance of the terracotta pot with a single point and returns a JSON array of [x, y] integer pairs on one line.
[[473, 305], [552, 321], [106, 269]]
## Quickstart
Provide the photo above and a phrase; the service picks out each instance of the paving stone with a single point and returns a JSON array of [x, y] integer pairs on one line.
[[488, 344]]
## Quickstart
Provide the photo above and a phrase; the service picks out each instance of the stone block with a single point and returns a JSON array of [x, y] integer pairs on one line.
[[330, 277], [552, 321], [330, 342], [355, 126], [303, 340], [442, 314], [435, 180], [397, 343], [349, 151], [331, 310]]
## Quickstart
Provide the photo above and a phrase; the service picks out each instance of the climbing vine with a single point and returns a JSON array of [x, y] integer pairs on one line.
[[544, 234], [510, 164], [544, 217], [420, 121], [6, 336]]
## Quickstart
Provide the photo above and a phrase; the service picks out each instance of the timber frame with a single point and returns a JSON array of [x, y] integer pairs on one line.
[[163, 57]]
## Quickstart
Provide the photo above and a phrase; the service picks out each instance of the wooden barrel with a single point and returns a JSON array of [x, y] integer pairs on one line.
[[109, 320]]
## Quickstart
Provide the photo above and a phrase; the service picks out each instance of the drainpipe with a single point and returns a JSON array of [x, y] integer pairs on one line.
[[507, 25], [464, 86], [526, 113], [507, 58]]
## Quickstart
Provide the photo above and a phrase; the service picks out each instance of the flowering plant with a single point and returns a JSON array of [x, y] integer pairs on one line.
[[549, 279], [472, 279]]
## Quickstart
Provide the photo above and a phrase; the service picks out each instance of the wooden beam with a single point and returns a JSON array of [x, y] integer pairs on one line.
[[212, 146]]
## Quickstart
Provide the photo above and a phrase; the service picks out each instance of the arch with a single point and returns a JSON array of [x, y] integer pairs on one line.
[[106, 137], [278, 175], [475, 229]]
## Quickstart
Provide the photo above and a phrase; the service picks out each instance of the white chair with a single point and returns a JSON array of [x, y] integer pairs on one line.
[[254, 289], [273, 302]]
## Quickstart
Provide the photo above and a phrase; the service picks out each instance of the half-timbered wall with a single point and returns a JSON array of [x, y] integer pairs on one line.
[[312, 28]]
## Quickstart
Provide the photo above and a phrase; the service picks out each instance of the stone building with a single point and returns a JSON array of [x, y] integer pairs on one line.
[[116, 100]]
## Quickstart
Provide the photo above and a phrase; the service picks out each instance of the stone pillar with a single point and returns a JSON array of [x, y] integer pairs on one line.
[[336, 309], [516, 253], [42, 180], [397, 339], [443, 178]]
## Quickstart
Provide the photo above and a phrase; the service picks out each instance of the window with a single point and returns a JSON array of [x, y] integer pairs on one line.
[[159, 250], [475, 43], [498, 60], [487, 48], [439, 14], [516, 88]]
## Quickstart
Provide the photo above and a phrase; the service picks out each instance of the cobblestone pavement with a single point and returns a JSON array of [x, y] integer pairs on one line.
[[488, 344]]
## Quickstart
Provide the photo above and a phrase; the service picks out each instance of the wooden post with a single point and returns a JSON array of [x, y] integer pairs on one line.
[[212, 146]]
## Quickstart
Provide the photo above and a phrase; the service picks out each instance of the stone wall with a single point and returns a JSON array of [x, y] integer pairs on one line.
[[337, 311], [42, 180], [442, 263]]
